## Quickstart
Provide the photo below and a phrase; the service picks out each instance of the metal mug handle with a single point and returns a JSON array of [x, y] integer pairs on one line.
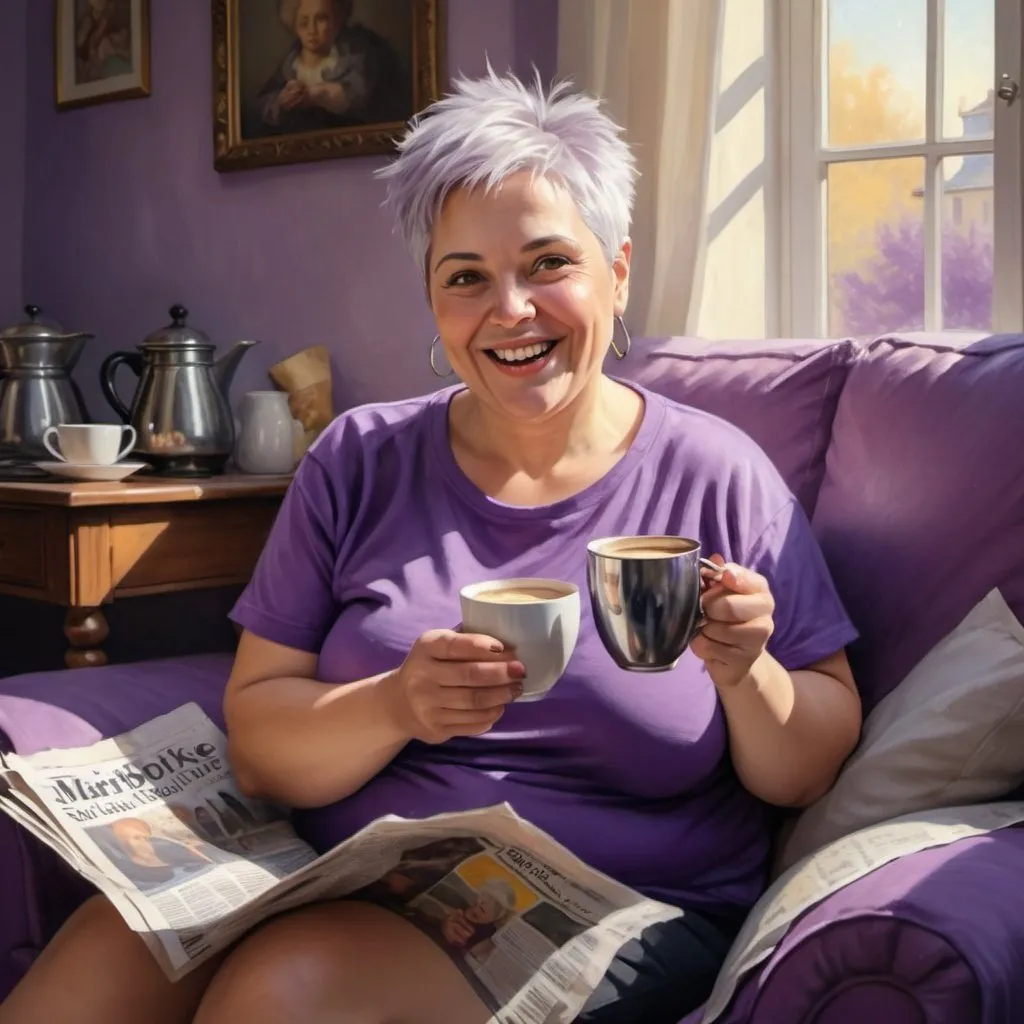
[[705, 563], [55, 452], [128, 428]]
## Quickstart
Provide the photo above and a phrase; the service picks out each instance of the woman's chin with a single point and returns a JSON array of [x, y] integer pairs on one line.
[[536, 400]]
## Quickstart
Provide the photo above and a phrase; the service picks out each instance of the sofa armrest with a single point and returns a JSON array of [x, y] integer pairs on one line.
[[937, 935], [44, 710]]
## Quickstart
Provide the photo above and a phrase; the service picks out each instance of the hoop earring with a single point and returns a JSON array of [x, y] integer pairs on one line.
[[624, 351], [433, 360]]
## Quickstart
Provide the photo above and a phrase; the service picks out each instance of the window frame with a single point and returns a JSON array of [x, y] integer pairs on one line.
[[800, 81]]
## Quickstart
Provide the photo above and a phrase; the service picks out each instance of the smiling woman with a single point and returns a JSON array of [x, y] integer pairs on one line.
[[352, 696], [525, 299]]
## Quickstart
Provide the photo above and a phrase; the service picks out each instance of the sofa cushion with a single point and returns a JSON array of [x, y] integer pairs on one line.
[[921, 512], [951, 734], [43, 710], [782, 393]]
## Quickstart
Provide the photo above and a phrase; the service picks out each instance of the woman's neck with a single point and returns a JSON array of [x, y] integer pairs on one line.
[[602, 421]]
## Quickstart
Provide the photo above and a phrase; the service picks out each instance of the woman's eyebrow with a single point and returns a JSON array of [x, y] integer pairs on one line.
[[537, 243]]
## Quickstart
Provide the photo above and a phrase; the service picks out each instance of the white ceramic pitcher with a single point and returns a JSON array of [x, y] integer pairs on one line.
[[269, 438]]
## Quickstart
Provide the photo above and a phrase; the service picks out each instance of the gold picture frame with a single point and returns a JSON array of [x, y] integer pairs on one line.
[[256, 58], [101, 51]]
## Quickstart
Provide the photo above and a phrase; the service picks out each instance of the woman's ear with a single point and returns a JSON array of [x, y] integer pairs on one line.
[[620, 273]]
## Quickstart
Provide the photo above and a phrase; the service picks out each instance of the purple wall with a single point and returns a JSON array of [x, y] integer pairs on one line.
[[13, 71], [128, 216]]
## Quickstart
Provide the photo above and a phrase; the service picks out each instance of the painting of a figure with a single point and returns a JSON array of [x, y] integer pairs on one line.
[[103, 39], [309, 79], [337, 72], [102, 50]]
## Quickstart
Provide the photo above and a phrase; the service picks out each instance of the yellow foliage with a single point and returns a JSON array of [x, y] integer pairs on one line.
[[867, 108]]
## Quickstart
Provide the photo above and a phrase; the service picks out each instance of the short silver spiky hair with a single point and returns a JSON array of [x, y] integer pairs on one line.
[[491, 127]]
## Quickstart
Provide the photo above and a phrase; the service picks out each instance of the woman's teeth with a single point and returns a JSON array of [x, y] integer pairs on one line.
[[524, 354]]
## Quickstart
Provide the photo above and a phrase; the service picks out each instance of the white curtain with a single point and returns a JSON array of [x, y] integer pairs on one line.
[[655, 64]]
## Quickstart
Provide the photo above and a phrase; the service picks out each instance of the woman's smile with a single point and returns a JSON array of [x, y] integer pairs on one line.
[[523, 358]]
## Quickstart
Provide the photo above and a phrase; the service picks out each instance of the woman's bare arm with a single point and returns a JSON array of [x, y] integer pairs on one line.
[[305, 743], [791, 732], [299, 741]]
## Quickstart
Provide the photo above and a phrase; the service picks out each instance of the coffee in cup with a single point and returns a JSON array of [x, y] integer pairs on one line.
[[647, 547], [89, 444], [519, 595], [539, 618]]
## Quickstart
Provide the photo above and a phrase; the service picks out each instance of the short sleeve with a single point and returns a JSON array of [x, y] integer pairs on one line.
[[810, 620], [290, 598]]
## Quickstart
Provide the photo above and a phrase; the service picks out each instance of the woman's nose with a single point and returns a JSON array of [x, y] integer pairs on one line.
[[512, 305]]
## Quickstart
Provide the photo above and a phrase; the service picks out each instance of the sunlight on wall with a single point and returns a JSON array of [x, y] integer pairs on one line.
[[734, 297]]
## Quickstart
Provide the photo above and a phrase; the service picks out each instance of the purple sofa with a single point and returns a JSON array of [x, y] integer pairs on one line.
[[908, 454]]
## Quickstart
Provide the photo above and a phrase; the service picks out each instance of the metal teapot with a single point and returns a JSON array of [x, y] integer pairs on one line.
[[180, 411], [37, 390]]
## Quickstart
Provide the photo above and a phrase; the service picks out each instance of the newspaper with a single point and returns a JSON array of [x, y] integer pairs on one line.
[[155, 820], [832, 867]]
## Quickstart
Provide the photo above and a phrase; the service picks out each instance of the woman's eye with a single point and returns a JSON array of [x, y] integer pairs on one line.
[[463, 278], [551, 263]]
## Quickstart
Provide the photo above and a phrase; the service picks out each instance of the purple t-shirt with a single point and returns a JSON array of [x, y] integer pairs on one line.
[[631, 771]]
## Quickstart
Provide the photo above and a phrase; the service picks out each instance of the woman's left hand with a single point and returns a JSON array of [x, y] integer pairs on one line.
[[738, 607]]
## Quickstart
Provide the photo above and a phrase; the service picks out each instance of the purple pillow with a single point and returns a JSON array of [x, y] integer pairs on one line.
[[782, 393], [46, 710], [921, 512]]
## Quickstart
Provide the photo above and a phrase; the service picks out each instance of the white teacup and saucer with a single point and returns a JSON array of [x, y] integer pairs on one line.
[[90, 451]]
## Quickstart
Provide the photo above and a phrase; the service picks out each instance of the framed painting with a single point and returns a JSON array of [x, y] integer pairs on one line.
[[298, 80], [101, 51]]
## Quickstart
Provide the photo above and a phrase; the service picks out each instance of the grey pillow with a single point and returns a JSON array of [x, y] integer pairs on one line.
[[952, 733]]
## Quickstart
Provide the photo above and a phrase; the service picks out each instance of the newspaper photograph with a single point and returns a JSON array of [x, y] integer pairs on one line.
[[155, 820]]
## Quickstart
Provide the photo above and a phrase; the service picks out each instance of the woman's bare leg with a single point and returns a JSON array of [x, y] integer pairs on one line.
[[339, 963], [97, 971]]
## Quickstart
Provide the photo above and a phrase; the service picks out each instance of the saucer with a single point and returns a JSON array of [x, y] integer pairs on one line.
[[97, 474]]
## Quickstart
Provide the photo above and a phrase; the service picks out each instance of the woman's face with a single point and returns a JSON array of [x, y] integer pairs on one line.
[[523, 296], [136, 840], [317, 25], [485, 911]]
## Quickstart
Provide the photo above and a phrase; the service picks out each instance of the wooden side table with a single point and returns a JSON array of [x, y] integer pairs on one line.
[[83, 545]]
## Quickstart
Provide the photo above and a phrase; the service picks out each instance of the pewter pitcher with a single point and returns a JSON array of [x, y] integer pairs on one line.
[[180, 410], [36, 390]]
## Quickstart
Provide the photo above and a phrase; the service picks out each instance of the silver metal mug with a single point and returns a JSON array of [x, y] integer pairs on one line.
[[645, 593]]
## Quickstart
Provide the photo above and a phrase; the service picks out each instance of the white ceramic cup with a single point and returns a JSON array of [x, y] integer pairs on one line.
[[542, 623], [89, 444]]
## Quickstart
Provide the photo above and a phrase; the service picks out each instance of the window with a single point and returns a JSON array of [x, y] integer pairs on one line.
[[898, 145]]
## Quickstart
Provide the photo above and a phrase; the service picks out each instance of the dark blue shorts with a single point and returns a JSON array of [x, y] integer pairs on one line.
[[665, 974]]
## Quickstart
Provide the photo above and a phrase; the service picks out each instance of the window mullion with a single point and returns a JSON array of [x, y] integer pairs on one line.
[[932, 244], [900, 151], [1008, 176], [933, 169], [818, 186], [802, 278]]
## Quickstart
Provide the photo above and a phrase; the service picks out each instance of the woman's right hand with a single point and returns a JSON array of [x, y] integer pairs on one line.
[[452, 684]]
